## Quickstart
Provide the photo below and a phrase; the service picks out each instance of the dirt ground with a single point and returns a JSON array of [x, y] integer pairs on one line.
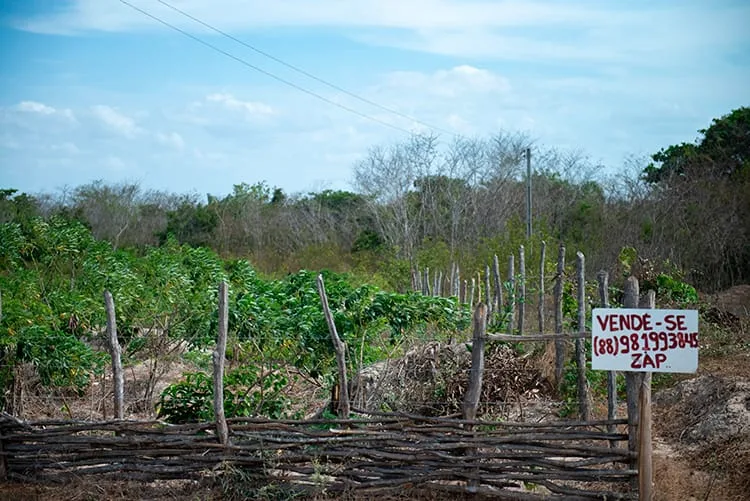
[[701, 427], [702, 421]]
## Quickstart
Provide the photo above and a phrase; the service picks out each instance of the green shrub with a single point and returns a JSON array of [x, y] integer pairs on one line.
[[248, 392]]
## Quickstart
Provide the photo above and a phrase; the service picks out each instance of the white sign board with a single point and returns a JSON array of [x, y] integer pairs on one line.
[[644, 340]]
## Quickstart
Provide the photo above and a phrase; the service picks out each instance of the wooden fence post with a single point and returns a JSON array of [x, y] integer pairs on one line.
[[632, 382], [474, 391], [521, 289], [473, 291], [511, 292], [498, 285], [540, 306], [583, 384], [340, 349], [488, 291], [603, 279], [645, 459], [456, 285], [219, 355], [116, 354], [559, 342]]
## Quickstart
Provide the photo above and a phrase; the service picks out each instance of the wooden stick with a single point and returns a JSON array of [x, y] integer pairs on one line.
[[584, 405], [645, 456], [540, 306], [512, 338], [488, 292], [511, 292], [219, 356], [116, 354], [521, 289], [559, 343], [632, 382], [340, 349], [603, 280], [499, 304], [471, 399]]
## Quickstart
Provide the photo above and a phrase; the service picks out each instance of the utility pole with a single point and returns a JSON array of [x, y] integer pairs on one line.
[[528, 193]]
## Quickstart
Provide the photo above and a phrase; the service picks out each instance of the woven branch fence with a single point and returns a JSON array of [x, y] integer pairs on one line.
[[373, 454]]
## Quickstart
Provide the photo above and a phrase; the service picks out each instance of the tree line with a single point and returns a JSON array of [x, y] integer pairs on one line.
[[430, 202]]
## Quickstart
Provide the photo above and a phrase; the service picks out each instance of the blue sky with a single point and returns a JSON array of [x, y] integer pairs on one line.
[[94, 89]]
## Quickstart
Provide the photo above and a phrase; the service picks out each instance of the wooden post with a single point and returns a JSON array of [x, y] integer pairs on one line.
[[498, 285], [488, 291], [116, 354], [473, 392], [521, 289], [340, 349], [645, 456], [632, 382], [603, 279], [473, 290], [540, 306], [511, 292], [219, 355], [583, 384], [457, 282], [559, 343]]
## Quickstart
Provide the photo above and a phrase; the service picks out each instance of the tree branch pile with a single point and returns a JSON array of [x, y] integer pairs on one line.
[[431, 380]]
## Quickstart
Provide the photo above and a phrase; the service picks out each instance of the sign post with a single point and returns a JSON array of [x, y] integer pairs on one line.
[[638, 340]]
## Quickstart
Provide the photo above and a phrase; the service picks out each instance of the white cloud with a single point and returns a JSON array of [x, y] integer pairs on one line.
[[116, 121], [584, 30], [35, 107], [454, 82], [251, 108], [172, 139]]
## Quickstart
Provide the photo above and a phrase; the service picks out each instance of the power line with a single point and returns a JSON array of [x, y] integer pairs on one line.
[[267, 73], [303, 72]]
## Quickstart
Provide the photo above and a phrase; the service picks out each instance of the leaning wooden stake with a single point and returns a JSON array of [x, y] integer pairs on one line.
[[584, 405], [219, 355], [116, 354], [559, 343], [340, 349]]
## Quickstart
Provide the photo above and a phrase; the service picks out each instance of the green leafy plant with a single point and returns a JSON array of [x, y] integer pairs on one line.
[[248, 392]]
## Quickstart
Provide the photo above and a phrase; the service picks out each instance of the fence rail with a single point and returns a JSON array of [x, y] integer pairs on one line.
[[372, 453]]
